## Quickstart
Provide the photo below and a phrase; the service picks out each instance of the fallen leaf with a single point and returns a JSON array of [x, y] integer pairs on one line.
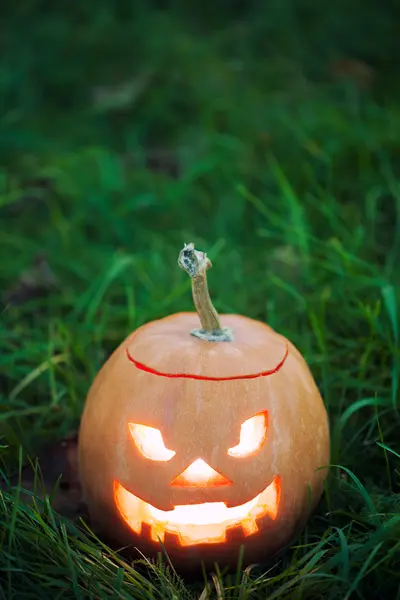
[[357, 71], [36, 282], [57, 476], [123, 95]]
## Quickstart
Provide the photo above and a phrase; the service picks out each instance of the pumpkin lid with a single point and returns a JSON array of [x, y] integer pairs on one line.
[[166, 348]]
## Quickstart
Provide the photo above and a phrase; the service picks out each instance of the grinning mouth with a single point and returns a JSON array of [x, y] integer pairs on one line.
[[205, 523]]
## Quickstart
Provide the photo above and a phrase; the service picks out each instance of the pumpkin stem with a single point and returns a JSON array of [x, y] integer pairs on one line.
[[196, 263]]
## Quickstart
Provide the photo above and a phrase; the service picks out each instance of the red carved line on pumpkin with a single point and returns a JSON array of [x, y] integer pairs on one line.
[[144, 367]]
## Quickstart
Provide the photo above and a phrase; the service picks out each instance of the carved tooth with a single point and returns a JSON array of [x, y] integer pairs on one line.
[[249, 526], [157, 532]]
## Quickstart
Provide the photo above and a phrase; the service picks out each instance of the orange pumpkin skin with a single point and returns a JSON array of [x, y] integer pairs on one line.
[[197, 394]]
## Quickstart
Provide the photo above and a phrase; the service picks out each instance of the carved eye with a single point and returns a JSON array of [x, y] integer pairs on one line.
[[252, 436], [150, 442]]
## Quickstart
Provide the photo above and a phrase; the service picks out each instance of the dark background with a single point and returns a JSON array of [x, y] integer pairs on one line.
[[268, 134]]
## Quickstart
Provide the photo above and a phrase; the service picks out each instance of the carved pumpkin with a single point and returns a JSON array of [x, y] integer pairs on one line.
[[203, 439]]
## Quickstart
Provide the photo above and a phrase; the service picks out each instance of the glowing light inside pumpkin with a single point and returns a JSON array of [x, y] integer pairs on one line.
[[200, 474], [197, 523], [150, 442], [252, 436]]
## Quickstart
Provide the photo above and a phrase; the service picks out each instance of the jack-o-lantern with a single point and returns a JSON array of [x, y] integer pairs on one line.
[[203, 439]]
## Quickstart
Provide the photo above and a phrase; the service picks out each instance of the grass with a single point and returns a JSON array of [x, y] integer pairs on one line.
[[121, 138]]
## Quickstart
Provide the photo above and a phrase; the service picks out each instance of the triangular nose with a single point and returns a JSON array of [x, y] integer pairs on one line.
[[200, 474]]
